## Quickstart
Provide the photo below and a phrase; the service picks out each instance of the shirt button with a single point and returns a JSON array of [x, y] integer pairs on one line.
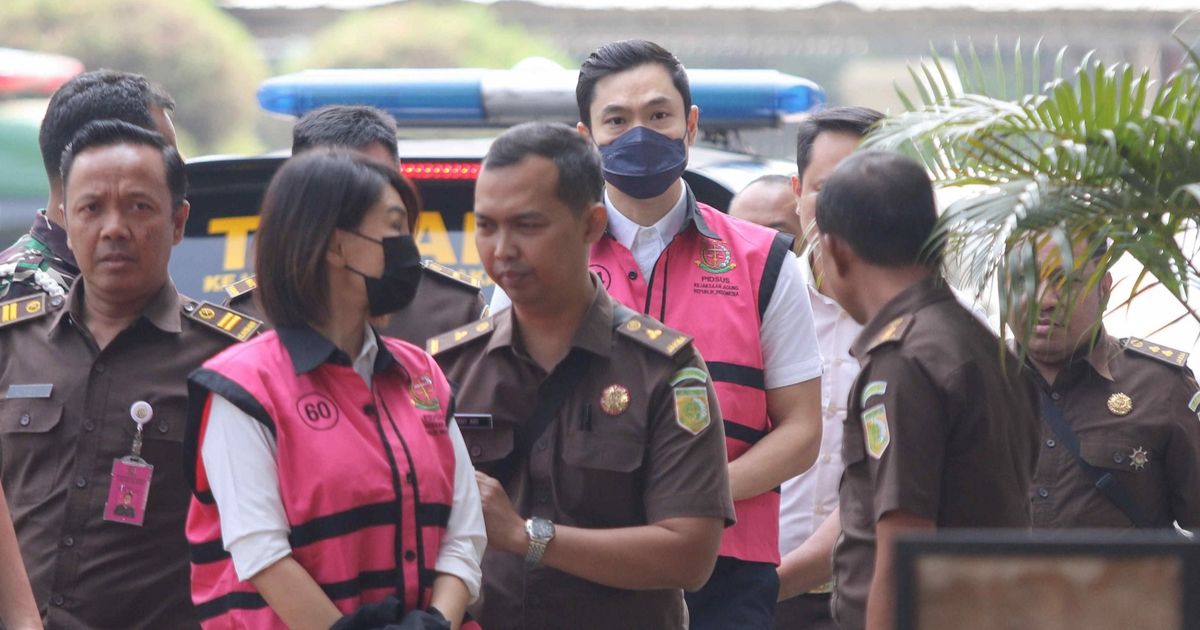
[[57, 600], [89, 426], [476, 451], [163, 427], [369, 409], [542, 497], [1042, 492], [1055, 395], [68, 542], [826, 458], [99, 368], [1118, 457], [410, 555], [25, 420], [80, 482], [1051, 443], [541, 444], [633, 275]]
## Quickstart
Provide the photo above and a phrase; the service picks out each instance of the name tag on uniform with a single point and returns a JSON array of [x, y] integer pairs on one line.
[[34, 390], [473, 421]]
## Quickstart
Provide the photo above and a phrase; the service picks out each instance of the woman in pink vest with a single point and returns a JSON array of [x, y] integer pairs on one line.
[[330, 488]]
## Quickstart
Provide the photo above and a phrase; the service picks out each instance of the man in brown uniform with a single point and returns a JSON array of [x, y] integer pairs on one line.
[[938, 433], [1121, 433], [41, 260], [78, 373], [597, 424], [446, 298]]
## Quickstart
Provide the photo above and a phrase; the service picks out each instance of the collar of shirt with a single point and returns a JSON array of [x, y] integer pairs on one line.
[[54, 238], [1095, 359], [309, 349], [933, 288], [810, 279], [162, 311], [594, 333]]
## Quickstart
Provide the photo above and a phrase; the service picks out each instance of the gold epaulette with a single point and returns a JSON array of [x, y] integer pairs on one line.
[[892, 333], [241, 287], [26, 308], [458, 336], [653, 334], [452, 274], [223, 320], [1170, 356]]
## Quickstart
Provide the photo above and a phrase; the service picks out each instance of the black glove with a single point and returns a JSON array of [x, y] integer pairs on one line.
[[386, 615]]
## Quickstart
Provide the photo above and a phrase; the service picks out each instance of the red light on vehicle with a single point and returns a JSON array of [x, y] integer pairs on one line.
[[440, 170]]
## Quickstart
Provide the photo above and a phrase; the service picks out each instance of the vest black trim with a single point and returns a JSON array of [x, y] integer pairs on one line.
[[241, 600], [777, 257], [743, 433], [201, 382], [737, 374]]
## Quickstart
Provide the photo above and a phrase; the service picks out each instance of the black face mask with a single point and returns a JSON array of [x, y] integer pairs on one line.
[[394, 289]]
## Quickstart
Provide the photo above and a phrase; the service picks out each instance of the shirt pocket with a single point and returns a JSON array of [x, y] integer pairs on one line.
[[600, 483], [487, 445], [1136, 466], [30, 447]]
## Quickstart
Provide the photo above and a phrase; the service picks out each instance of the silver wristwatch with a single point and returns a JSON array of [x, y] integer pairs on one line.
[[541, 532]]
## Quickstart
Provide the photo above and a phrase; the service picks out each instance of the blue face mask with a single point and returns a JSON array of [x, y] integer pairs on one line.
[[643, 163]]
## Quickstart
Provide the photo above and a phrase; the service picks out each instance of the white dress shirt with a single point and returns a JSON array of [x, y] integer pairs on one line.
[[239, 458], [789, 344], [807, 499]]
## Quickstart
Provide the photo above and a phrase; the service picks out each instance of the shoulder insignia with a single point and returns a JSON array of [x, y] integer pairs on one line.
[[241, 287], [1170, 356], [26, 308], [223, 320], [458, 336], [893, 332], [653, 334], [689, 374], [453, 274]]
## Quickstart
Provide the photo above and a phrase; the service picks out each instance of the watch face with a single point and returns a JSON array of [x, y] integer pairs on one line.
[[542, 529]]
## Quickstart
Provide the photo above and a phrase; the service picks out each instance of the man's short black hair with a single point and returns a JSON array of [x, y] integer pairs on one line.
[[107, 133], [348, 126], [621, 56], [882, 204], [580, 180], [96, 95], [852, 120]]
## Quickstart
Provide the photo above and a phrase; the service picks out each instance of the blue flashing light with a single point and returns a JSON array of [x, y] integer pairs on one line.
[[728, 99], [414, 96]]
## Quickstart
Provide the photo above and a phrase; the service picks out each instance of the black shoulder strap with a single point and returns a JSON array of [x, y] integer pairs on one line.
[[1105, 482], [779, 255], [551, 395]]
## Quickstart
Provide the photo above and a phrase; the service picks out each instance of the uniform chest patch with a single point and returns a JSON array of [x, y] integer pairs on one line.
[[875, 430], [422, 393], [318, 411], [691, 409], [715, 257]]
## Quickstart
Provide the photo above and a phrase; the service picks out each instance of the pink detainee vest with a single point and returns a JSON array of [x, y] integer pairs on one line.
[[366, 476], [713, 282]]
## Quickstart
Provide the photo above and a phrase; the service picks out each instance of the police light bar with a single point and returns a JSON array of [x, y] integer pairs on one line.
[[474, 97]]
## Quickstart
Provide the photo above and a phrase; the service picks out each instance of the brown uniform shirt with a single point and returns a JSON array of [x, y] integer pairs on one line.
[[58, 439], [445, 300], [1149, 438], [627, 448], [936, 426]]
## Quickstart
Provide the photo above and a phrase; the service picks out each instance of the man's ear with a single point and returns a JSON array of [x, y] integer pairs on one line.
[[693, 124], [584, 131], [836, 254], [596, 218], [796, 190], [179, 219]]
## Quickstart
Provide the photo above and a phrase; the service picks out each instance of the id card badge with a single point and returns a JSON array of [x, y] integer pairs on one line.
[[130, 485], [129, 490]]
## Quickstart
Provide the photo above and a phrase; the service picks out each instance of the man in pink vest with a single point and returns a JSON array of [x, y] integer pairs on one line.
[[731, 285]]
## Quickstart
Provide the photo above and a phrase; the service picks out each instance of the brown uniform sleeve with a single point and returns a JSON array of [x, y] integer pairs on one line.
[[907, 470], [1183, 454], [687, 473]]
